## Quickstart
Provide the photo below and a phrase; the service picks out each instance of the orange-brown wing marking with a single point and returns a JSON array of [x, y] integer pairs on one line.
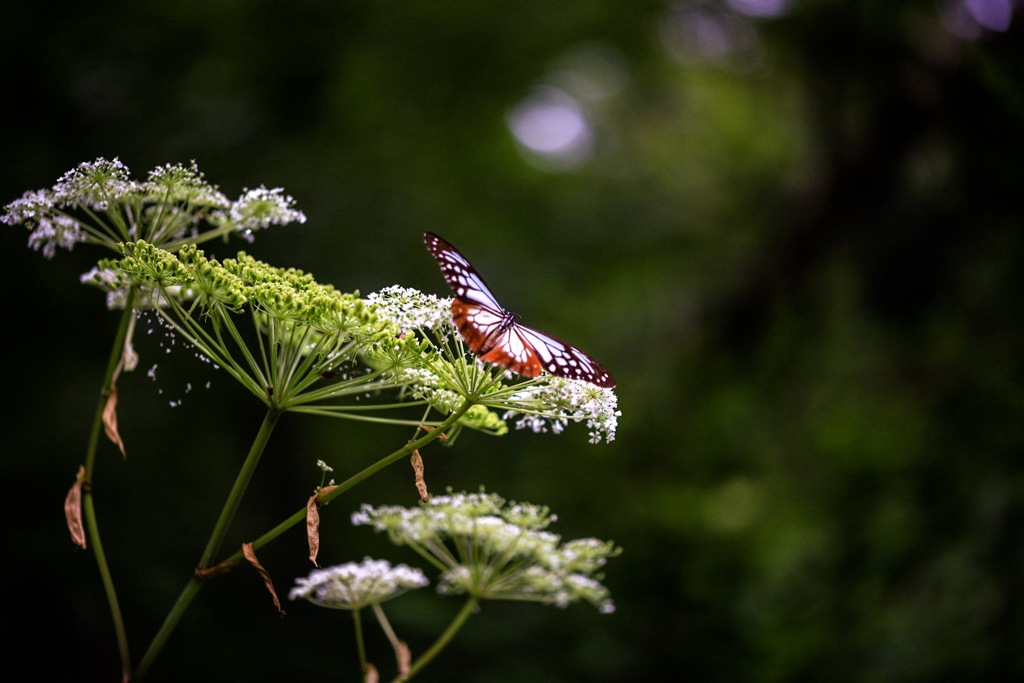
[[514, 353]]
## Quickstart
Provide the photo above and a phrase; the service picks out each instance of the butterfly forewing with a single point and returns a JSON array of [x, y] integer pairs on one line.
[[461, 276], [494, 335]]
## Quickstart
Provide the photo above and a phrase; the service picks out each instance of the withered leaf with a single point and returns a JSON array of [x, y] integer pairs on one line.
[[250, 555], [110, 420], [73, 509], [417, 468], [313, 522], [428, 428], [403, 657], [313, 528]]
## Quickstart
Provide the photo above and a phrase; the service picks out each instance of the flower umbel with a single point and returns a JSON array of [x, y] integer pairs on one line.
[[97, 202], [554, 402], [494, 550], [354, 585], [260, 208]]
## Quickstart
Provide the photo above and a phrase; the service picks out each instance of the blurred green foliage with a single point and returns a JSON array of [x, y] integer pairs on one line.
[[795, 240]]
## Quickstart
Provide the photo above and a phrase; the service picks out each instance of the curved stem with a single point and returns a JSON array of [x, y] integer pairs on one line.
[[88, 507], [89, 512], [457, 623]]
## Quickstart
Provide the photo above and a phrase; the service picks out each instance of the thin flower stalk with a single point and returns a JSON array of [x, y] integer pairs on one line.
[[193, 585]]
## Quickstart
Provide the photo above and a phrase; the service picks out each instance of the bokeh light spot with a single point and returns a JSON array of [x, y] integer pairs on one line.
[[552, 128]]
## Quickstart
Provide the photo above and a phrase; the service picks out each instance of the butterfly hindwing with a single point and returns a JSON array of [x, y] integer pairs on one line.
[[564, 360], [480, 326], [493, 333], [514, 351]]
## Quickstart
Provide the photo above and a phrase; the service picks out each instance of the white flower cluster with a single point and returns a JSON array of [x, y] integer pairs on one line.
[[173, 200], [93, 184], [410, 309], [426, 385], [260, 208], [181, 183], [53, 232], [356, 585], [497, 551], [554, 402]]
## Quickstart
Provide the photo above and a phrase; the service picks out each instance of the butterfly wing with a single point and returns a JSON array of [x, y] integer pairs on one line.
[[492, 333], [479, 317], [513, 350], [561, 359], [481, 326], [462, 277]]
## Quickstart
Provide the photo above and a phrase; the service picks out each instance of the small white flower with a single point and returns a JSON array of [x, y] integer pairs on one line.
[[410, 309], [260, 208], [356, 585], [93, 184], [56, 230], [553, 402]]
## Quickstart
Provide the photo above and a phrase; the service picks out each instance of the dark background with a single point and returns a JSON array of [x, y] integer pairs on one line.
[[795, 239]]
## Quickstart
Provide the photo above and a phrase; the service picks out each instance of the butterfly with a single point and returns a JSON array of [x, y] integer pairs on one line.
[[493, 333]]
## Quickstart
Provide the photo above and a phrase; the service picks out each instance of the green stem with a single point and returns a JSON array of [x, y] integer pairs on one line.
[[457, 623], [300, 515], [170, 622], [357, 620], [108, 586], [238, 490], [88, 506], [399, 648], [195, 583], [213, 545]]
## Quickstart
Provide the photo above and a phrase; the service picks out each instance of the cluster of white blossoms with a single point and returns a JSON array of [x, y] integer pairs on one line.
[[554, 403], [261, 208], [98, 202], [494, 550], [356, 585], [409, 309]]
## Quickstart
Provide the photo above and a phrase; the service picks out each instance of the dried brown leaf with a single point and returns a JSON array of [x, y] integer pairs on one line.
[[110, 420], [250, 555], [73, 509], [313, 522], [313, 528], [417, 468], [129, 357], [216, 570], [403, 658]]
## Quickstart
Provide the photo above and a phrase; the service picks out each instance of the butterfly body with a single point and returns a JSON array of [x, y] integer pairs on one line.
[[493, 332]]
